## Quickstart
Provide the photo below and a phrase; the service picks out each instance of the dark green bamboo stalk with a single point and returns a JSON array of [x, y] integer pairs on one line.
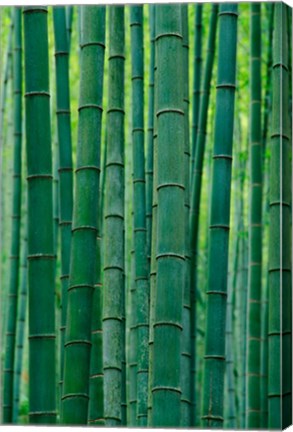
[[150, 134], [83, 260], [196, 193], [96, 405], [40, 219], [153, 266], [230, 383], [170, 251], [16, 210], [214, 367], [255, 228], [139, 208], [186, 340], [69, 17], [279, 335], [64, 163], [196, 79], [21, 319], [113, 341]]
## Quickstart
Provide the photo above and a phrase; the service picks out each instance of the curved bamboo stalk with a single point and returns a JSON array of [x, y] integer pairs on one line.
[[85, 219], [279, 335], [96, 404], [255, 228], [113, 341], [16, 214], [64, 161], [41, 258], [196, 193], [170, 251], [214, 367]]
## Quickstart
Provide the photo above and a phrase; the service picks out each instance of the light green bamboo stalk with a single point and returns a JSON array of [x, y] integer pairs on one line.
[[279, 335], [113, 341], [166, 410], [16, 211], [21, 319], [83, 259], [41, 256], [96, 404], [214, 366]]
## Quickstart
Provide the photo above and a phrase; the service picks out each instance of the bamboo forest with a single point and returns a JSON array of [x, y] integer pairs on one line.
[[145, 215]]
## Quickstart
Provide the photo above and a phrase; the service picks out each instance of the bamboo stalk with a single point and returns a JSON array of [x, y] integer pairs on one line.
[[214, 366], [41, 258], [8, 377], [196, 194], [113, 315], [279, 335], [170, 251], [96, 404], [83, 259]]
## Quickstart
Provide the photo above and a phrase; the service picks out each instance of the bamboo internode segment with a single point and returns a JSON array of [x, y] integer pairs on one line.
[[220, 214], [83, 260], [280, 291], [114, 296], [42, 400]]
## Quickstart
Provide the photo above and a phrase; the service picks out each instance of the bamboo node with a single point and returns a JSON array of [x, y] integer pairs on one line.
[[168, 324], [280, 203], [65, 276], [38, 256], [113, 110], [84, 227], [87, 44], [61, 53], [63, 111], [87, 106], [39, 176], [136, 77], [222, 156], [282, 65], [139, 181], [71, 287], [116, 56], [170, 110], [42, 336], [78, 342], [168, 388], [232, 13], [170, 255], [137, 129], [169, 34], [114, 215], [42, 413], [215, 357], [37, 93], [75, 395], [221, 226], [119, 369], [88, 167], [31, 9], [162, 185], [64, 223], [226, 86], [222, 293]]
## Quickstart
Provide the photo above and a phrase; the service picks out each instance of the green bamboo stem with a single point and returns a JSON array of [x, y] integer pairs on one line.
[[279, 334], [69, 10], [64, 163], [21, 319], [166, 410], [196, 194], [41, 258], [16, 212], [139, 207], [150, 134], [96, 404], [255, 228], [186, 340], [113, 342], [230, 385], [196, 79], [214, 366], [83, 260], [153, 266]]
